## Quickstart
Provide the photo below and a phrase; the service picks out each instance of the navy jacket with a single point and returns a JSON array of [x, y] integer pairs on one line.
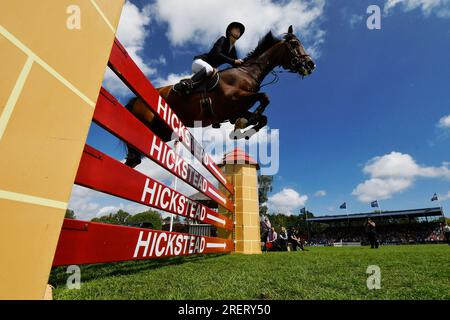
[[220, 53]]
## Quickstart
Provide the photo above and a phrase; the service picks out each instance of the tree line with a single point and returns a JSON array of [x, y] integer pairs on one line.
[[123, 218]]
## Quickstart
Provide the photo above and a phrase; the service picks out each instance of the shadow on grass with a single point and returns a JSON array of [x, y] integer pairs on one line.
[[58, 275]]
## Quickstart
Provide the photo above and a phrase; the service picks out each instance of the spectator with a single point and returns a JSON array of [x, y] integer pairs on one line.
[[299, 240], [283, 239], [371, 234], [386, 233], [272, 240], [265, 228], [294, 239], [447, 233]]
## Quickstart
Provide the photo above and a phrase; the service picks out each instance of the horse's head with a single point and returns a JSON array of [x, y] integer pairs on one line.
[[296, 58]]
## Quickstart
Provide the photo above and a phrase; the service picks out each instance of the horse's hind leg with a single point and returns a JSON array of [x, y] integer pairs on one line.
[[255, 119], [146, 116], [249, 119], [264, 101], [133, 157]]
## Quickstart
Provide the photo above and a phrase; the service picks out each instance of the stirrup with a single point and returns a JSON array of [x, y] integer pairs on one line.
[[186, 85]]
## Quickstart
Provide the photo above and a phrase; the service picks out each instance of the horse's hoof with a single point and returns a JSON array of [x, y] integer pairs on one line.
[[234, 135], [249, 133], [133, 163], [241, 123]]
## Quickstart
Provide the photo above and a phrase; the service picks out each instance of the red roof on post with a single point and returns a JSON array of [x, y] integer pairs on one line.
[[238, 156]]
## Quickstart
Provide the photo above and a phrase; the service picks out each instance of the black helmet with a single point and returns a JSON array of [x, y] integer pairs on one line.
[[235, 24]]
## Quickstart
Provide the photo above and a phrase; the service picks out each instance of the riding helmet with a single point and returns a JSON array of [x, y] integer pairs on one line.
[[238, 25]]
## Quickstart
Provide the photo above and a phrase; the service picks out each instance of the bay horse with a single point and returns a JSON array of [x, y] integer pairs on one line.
[[237, 92]]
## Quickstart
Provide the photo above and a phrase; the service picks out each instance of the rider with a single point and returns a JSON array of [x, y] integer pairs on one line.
[[223, 51]]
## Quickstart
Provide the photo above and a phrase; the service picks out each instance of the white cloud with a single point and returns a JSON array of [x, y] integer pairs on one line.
[[439, 7], [160, 61], [355, 19], [84, 202], [286, 201], [320, 193], [170, 79], [394, 173], [107, 210], [201, 22], [88, 204], [399, 165], [151, 169], [132, 34], [445, 197], [373, 189], [444, 122]]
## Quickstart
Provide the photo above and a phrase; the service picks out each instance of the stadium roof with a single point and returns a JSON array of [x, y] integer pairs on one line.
[[414, 213]]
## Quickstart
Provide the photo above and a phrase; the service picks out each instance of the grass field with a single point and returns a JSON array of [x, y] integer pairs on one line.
[[407, 272]]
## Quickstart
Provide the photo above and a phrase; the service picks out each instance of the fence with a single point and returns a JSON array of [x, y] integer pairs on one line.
[[86, 242]]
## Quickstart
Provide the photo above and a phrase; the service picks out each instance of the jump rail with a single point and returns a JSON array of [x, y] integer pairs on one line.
[[83, 242]]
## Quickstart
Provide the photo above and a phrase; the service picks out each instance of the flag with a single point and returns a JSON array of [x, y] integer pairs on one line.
[[343, 206], [435, 198], [303, 210], [374, 204]]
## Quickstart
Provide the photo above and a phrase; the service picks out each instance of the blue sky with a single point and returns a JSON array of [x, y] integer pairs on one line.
[[370, 123]]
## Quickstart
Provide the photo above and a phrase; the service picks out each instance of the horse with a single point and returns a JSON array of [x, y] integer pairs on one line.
[[237, 92]]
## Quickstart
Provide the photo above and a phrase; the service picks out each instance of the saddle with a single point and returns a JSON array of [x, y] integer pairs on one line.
[[209, 84]]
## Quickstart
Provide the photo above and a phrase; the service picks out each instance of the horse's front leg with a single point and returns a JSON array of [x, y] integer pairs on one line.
[[249, 118], [264, 101], [255, 119]]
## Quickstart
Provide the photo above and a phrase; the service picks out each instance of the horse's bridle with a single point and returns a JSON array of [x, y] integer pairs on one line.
[[298, 60]]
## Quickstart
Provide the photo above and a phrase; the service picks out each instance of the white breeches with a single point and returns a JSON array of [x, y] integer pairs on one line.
[[199, 64]]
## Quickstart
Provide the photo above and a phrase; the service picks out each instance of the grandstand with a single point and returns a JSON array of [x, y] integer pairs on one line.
[[393, 227]]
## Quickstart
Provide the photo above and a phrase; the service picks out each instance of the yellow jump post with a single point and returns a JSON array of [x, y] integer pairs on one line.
[[53, 55], [241, 170]]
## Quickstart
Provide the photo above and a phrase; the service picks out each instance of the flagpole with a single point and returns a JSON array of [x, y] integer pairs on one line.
[[439, 202], [306, 221], [348, 218]]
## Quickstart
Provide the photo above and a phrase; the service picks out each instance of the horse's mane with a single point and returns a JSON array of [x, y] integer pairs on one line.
[[268, 41]]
